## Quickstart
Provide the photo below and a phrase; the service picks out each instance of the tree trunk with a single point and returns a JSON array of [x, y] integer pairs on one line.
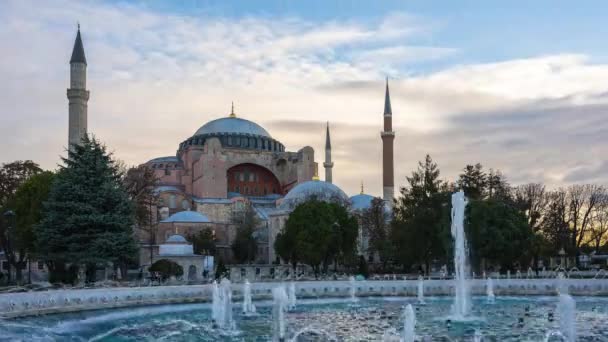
[[19, 273]]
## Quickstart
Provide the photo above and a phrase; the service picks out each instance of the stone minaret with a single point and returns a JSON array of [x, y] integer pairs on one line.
[[388, 136], [328, 163], [78, 95]]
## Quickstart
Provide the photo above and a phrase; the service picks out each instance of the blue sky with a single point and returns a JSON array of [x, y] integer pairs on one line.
[[516, 85], [523, 28]]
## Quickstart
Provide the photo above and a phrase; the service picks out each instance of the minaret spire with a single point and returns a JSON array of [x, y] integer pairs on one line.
[[232, 115], [328, 164], [388, 137], [78, 95], [387, 101]]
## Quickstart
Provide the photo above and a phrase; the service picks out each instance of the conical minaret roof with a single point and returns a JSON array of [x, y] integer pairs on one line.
[[78, 51], [387, 101], [327, 139]]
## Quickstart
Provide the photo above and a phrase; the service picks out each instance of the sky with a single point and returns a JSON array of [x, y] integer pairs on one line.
[[520, 86]]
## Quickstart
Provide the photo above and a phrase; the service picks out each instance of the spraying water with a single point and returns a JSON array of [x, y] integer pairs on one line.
[[216, 306], [248, 306], [353, 289], [462, 297], [490, 290], [222, 305], [420, 290], [281, 301], [292, 296], [409, 324], [567, 317]]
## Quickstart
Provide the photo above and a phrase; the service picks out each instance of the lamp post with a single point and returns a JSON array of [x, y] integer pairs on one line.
[[9, 216]]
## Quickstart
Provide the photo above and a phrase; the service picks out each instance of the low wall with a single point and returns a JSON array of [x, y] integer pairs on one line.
[[60, 301]]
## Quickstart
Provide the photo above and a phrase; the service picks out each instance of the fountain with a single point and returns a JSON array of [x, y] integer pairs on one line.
[[420, 290], [353, 289], [248, 307], [280, 303], [409, 323], [462, 300], [222, 305], [292, 296], [490, 290], [567, 317]]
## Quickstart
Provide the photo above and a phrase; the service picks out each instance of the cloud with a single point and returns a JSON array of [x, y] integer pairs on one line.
[[155, 78]]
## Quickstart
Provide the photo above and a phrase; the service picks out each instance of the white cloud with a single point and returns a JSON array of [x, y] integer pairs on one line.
[[155, 78]]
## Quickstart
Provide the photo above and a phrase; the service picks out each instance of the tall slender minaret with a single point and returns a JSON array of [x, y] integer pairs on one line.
[[78, 95], [328, 163], [388, 136]]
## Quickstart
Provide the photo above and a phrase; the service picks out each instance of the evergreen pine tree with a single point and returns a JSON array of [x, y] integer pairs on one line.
[[88, 218]]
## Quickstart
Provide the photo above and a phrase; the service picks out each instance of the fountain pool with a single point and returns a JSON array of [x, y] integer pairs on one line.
[[321, 320]]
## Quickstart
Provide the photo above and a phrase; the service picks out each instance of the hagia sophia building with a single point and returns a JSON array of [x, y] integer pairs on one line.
[[224, 166]]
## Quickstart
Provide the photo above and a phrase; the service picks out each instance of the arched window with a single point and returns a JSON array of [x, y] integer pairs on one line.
[[172, 200]]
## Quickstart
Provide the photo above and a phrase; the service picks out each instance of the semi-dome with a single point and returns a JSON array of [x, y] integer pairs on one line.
[[361, 201], [317, 189], [232, 125]]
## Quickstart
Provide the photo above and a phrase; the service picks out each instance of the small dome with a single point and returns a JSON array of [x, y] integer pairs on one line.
[[320, 190], [361, 201], [177, 239], [187, 217], [232, 125]]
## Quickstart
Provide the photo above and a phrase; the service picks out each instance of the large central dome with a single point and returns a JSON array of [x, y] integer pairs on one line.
[[232, 125]]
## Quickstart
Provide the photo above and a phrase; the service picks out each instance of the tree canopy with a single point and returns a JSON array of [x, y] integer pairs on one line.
[[318, 233], [88, 217]]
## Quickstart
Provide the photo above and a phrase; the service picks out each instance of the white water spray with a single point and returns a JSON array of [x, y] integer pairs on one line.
[[292, 296], [567, 317], [248, 306], [420, 290], [490, 290], [352, 289], [462, 297], [409, 323], [280, 303], [222, 305]]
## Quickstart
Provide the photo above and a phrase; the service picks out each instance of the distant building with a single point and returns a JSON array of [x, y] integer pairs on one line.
[[224, 166]]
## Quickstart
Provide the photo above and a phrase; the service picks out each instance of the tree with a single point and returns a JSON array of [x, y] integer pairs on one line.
[[497, 186], [583, 202], [139, 183], [555, 223], [420, 229], [473, 181], [166, 269], [318, 233], [26, 203], [497, 232], [532, 200], [244, 246], [599, 226], [12, 175], [204, 242], [220, 269], [375, 223], [88, 218]]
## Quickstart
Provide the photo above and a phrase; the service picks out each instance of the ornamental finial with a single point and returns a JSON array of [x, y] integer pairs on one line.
[[232, 115], [362, 188]]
